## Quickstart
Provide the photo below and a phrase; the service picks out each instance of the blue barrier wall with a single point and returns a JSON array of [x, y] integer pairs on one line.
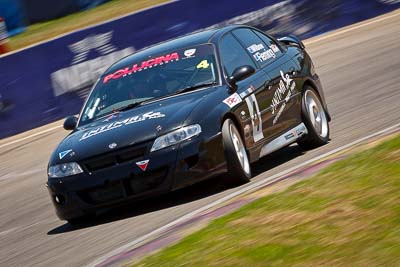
[[12, 12], [51, 80]]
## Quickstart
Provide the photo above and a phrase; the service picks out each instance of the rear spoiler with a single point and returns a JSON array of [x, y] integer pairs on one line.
[[292, 40]]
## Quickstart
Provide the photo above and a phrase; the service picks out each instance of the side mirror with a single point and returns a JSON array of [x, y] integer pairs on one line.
[[292, 40], [240, 73], [70, 123]]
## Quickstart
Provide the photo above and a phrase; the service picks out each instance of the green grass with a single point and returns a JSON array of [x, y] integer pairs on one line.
[[347, 215], [46, 30]]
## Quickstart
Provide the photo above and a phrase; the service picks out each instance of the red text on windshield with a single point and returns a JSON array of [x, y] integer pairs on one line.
[[145, 64]]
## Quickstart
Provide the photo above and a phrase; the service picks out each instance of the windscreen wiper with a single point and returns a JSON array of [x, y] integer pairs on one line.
[[117, 110], [127, 107], [194, 87]]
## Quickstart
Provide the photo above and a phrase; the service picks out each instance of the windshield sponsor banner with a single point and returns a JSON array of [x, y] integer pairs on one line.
[[117, 124], [142, 66], [200, 50]]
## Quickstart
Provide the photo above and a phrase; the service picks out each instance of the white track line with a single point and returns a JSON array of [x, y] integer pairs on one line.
[[327, 36], [30, 136], [246, 189]]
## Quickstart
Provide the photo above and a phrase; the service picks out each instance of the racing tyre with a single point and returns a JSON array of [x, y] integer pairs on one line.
[[239, 171], [315, 119]]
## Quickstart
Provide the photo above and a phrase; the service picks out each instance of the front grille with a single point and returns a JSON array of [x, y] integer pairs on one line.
[[127, 187], [103, 194], [146, 181], [115, 157]]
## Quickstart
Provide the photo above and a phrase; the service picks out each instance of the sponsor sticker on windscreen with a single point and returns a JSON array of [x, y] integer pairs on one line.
[[159, 60]]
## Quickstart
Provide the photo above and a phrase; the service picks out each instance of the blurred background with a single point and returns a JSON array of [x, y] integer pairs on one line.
[[57, 49]]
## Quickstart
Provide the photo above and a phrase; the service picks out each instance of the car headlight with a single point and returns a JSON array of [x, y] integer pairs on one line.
[[176, 136], [64, 169]]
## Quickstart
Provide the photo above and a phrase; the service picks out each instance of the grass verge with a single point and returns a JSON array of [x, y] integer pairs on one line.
[[46, 30], [347, 215]]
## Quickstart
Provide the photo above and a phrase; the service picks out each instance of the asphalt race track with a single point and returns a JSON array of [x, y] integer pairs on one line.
[[360, 71]]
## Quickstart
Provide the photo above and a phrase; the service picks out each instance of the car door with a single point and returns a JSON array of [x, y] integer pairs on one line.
[[252, 90], [284, 100], [269, 57]]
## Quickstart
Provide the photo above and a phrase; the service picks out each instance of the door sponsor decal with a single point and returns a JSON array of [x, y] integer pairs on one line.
[[255, 115], [255, 47], [261, 56], [284, 92], [232, 100], [274, 48], [264, 56], [284, 139], [247, 92]]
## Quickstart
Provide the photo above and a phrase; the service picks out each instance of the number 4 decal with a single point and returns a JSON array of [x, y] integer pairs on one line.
[[203, 64], [255, 116]]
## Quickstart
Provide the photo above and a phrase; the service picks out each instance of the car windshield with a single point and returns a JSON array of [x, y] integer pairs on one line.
[[152, 77]]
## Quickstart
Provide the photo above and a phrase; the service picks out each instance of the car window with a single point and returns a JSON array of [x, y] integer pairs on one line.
[[151, 77], [270, 43], [233, 55], [262, 52]]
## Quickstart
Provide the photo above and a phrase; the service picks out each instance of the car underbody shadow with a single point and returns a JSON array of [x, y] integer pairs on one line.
[[179, 197]]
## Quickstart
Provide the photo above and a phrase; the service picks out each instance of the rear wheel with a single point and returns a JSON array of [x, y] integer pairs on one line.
[[315, 119], [239, 171]]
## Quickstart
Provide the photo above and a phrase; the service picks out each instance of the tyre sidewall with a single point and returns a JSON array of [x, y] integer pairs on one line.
[[235, 174], [313, 139]]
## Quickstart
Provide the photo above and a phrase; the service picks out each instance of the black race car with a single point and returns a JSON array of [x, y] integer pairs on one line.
[[183, 111]]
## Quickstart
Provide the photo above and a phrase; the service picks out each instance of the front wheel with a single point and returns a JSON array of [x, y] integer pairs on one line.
[[239, 171], [315, 119]]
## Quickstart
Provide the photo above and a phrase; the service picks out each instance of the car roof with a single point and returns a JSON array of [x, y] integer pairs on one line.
[[195, 38]]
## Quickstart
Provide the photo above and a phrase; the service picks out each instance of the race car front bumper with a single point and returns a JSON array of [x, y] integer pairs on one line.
[[103, 184]]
